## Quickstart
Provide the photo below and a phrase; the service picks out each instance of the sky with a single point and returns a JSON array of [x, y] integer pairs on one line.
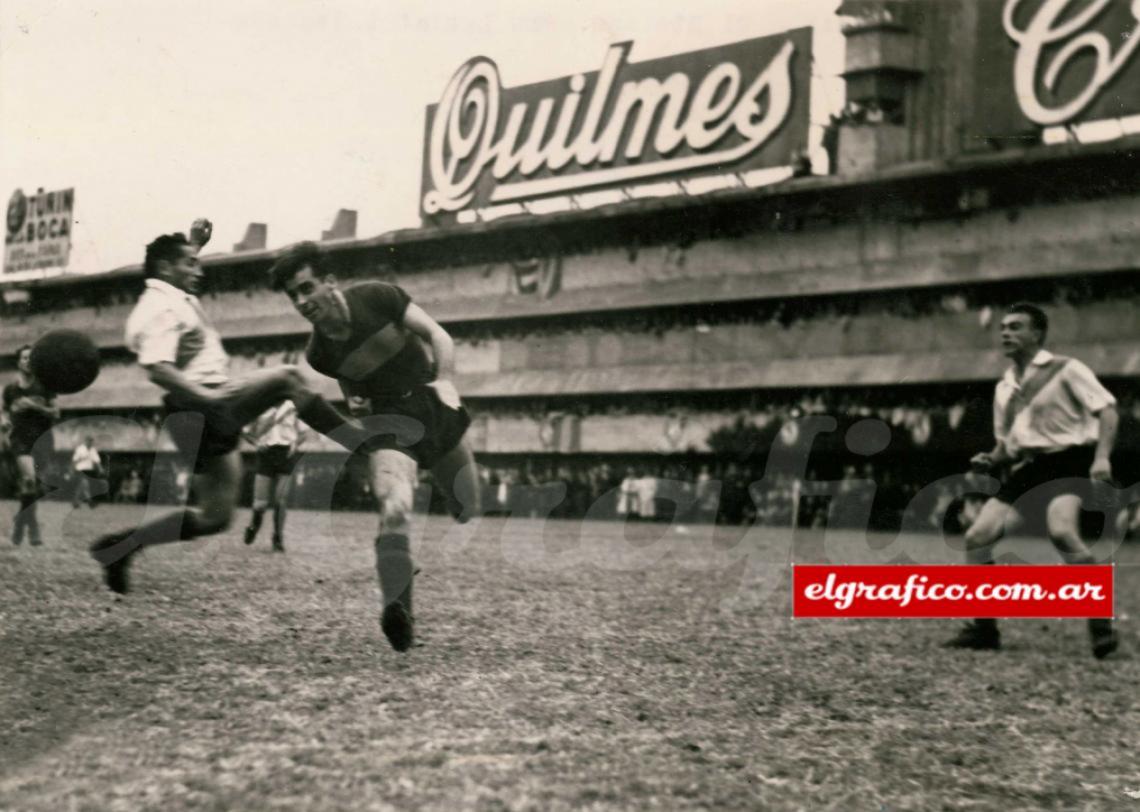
[[284, 111]]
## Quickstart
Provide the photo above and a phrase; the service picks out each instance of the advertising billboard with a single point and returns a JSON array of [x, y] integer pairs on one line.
[[38, 235], [1049, 63], [719, 110]]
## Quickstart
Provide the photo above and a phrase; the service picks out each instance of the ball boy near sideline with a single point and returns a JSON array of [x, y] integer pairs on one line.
[[385, 351]]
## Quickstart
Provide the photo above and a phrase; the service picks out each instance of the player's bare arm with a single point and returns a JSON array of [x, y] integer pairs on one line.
[[1109, 421], [427, 328], [442, 349], [30, 404], [987, 460]]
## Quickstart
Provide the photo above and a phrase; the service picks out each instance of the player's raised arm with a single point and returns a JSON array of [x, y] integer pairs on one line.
[[200, 232]]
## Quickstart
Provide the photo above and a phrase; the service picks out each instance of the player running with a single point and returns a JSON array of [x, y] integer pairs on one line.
[[206, 410], [390, 355], [28, 415], [278, 435], [1055, 426]]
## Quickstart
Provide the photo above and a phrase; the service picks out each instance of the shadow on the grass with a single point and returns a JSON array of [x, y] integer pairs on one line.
[[57, 684]]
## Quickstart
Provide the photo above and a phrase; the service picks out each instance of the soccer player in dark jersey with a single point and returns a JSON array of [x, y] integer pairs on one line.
[[206, 410], [29, 412], [385, 351]]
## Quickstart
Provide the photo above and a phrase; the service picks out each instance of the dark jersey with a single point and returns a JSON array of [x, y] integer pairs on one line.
[[27, 425], [381, 358]]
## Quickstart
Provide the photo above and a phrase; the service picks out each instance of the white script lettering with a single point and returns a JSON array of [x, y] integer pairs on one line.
[[466, 140], [1044, 30]]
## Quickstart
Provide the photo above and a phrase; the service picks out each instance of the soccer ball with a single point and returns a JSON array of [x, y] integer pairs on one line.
[[65, 361]]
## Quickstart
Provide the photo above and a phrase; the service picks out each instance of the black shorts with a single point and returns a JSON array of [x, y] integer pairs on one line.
[[417, 423], [24, 444], [198, 438], [275, 460], [1046, 476]]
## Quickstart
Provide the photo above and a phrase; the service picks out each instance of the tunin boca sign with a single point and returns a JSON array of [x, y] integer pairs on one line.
[[720, 110]]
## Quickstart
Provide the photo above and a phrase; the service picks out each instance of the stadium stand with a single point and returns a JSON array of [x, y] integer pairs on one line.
[[657, 325]]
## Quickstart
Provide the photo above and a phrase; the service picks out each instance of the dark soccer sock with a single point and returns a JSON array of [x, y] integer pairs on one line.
[[394, 566], [279, 520], [319, 413], [182, 525], [27, 515], [21, 521], [255, 519]]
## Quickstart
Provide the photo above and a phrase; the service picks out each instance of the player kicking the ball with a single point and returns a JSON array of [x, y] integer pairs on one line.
[[391, 356], [205, 410]]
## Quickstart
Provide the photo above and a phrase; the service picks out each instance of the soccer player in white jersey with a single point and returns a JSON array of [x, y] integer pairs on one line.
[[385, 351], [205, 410], [1055, 426], [278, 435]]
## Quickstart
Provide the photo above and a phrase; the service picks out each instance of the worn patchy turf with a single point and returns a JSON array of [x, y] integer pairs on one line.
[[565, 665]]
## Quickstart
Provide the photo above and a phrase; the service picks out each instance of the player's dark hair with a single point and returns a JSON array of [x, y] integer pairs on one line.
[[20, 351], [166, 248], [1037, 318], [299, 256]]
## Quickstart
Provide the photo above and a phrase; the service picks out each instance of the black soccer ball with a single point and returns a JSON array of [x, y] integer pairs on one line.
[[65, 361]]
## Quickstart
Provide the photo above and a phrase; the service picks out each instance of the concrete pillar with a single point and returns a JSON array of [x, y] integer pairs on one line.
[[884, 60], [344, 226], [256, 236]]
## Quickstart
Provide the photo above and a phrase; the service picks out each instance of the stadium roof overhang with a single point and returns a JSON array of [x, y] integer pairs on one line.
[[934, 187]]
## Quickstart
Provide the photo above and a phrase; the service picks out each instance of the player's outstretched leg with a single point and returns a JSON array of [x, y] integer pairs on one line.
[[261, 488], [258, 392], [280, 491], [26, 519], [393, 483], [216, 486]]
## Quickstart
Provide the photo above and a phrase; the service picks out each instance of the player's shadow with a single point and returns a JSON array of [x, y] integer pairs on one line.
[[57, 683]]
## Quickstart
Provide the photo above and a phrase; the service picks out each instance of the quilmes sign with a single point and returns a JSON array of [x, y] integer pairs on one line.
[[39, 230], [726, 109], [1045, 63]]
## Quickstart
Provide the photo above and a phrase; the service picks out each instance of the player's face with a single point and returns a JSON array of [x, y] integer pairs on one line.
[[1018, 335], [185, 273], [24, 362], [314, 297]]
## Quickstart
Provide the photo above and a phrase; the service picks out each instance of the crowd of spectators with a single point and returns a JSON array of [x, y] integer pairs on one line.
[[918, 494]]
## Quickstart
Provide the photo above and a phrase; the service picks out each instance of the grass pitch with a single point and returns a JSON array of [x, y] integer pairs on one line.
[[565, 665]]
